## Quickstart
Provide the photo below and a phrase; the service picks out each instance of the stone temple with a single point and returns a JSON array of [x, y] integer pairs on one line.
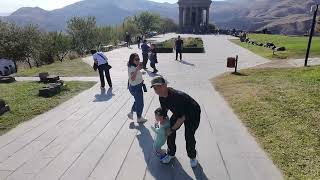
[[193, 16]]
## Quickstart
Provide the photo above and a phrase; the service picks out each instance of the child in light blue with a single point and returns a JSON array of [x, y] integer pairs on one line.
[[160, 130]]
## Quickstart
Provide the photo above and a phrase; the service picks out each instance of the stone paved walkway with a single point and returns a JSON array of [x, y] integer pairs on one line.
[[90, 136]]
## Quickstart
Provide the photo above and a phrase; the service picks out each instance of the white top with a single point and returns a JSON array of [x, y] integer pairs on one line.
[[100, 58], [138, 79]]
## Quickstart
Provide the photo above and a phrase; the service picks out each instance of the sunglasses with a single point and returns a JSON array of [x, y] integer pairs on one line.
[[137, 59]]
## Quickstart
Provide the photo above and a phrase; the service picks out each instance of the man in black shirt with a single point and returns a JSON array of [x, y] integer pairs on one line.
[[185, 110], [179, 46]]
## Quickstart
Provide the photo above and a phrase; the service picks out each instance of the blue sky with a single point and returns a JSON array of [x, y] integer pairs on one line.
[[8, 6]]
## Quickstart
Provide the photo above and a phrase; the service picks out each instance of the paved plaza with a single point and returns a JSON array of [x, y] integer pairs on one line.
[[90, 136]]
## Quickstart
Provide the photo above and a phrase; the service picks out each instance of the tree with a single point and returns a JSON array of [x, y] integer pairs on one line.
[[62, 45], [29, 40], [130, 26], [167, 25], [46, 50], [147, 22], [83, 33], [18, 43], [104, 35]]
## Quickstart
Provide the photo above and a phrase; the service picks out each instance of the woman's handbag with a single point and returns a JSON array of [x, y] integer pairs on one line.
[[144, 87], [95, 66]]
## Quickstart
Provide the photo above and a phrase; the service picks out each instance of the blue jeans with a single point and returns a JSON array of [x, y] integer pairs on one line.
[[137, 93]]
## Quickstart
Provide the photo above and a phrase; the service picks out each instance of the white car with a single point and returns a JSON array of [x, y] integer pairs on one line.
[[7, 67]]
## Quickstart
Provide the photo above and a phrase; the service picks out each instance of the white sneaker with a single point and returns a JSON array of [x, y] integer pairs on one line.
[[130, 115], [141, 120], [194, 162], [167, 159]]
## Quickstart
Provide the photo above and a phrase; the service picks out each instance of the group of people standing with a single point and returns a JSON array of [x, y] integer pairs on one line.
[[185, 110]]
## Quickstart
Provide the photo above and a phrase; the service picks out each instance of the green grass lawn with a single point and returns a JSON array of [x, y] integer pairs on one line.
[[281, 108], [67, 68], [24, 102], [296, 46]]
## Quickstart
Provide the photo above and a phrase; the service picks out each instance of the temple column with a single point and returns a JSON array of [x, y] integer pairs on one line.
[[207, 16], [197, 19], [180, 18]]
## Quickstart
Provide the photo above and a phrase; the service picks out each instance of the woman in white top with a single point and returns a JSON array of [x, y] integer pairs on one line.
[[135, 86]]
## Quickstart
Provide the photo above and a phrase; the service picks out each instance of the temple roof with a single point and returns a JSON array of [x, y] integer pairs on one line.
[[194, 3]]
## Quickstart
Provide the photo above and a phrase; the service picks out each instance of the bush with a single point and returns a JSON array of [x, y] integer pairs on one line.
[[73, 55]]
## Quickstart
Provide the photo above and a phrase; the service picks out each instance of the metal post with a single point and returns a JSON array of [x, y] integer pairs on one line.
[[235, 69], [311, 34]]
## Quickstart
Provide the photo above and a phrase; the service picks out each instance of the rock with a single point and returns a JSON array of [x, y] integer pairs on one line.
[[2, 103], [269, 44], [7, 79], [53, 79], [281, 49], [43, 76], [51, 90], [4, 109]]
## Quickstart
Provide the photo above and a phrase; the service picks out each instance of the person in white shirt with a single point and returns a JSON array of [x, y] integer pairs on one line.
[[103, 66], [135, 84]]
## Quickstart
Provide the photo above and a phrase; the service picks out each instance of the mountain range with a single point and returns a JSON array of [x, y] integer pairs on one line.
[[279, 16]]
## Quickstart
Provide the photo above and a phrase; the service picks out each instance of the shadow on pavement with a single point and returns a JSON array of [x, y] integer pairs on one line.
[[103, 96], [159, 171]]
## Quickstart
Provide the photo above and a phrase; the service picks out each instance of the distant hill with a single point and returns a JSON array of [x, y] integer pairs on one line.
[[279, 16]]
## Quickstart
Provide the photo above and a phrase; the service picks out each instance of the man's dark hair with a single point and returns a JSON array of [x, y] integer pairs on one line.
[[160, 112], [144, 41], [93, 51]]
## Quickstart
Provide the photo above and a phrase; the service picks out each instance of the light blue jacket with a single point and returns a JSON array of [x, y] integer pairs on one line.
[[161, 136]]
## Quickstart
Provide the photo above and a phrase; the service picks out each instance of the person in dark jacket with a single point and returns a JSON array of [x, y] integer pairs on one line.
[[185, 110], [145, 50], [128, 39], [178, 47], [153, 58], [139, 41]]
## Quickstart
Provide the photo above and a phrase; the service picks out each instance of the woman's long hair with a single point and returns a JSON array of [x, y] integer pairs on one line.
[[131, 60]]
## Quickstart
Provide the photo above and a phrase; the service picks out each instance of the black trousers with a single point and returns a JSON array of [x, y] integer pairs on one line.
[[191, 124], [145, 60], [178, 51], [153, 65], [104, 69]]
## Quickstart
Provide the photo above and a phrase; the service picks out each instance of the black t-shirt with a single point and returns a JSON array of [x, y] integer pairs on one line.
[[179, 43], [179, 103]]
